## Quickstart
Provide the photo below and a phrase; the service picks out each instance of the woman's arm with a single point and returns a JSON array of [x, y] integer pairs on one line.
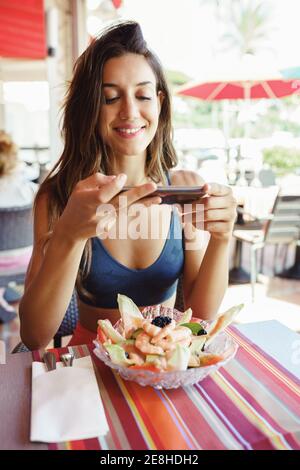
[[208, 231], [206, 276], [51, 275], [49, 282]]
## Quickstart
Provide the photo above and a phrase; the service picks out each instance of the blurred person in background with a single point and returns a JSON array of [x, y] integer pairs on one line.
[[15, 190]]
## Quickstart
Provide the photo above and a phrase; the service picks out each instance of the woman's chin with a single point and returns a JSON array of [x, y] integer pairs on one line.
[[130, 150]]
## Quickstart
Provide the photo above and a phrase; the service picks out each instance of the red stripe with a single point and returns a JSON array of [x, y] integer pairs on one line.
[[263, 444], [265, 376], [293, 441], [78, 445], [121, 407], [269, 358], [52, 446], [194, 420], [250, 399], [135, 391], [235, 417], [92, 444]]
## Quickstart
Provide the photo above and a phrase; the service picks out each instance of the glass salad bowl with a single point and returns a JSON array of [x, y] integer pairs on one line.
[[222, 345]]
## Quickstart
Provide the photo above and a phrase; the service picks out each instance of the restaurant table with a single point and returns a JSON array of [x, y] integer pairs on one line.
[[253, 402]]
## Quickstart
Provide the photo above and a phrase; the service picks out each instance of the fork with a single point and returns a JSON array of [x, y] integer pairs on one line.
[[67, 359]]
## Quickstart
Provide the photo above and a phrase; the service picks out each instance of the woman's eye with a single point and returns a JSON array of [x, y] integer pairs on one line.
[[144, 98], [110, 100]]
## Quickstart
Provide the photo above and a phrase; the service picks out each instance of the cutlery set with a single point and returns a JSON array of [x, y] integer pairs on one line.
[[50, 360]]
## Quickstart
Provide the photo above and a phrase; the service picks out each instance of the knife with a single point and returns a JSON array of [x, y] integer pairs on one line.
[[50, 360]]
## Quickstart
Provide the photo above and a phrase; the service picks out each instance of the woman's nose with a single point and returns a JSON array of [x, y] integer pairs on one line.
[[129, 109]]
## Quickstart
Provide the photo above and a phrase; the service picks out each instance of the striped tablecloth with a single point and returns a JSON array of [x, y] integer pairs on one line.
[[251, 403]]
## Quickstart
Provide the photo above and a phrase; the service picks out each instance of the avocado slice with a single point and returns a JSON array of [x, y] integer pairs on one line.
[[117, 355]]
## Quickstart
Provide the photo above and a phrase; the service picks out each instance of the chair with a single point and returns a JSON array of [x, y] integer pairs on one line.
[[16, 239], [282, 228], [66, 328], [267, 177]]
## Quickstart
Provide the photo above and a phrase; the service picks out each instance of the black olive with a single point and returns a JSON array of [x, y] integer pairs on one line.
[[202, 332], [161, 321]]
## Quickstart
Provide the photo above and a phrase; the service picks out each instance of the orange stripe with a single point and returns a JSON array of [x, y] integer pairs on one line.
[[76, 445], [154, 412]]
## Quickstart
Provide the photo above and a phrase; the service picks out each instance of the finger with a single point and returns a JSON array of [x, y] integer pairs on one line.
[[215, 227], [133, 195], [216, 189], [108, 191], [95, 181], [214, 202], [217, 215], [149, 201], [184, 209]]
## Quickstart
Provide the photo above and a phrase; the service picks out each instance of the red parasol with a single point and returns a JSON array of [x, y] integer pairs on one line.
[[249, 79]]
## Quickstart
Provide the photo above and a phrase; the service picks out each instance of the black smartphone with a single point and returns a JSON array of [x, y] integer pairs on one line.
[[176, 194]]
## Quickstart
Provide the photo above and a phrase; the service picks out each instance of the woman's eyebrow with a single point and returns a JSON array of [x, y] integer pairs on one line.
[[114, 85]]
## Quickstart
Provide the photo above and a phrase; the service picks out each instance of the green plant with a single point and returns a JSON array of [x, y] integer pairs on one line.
[[282, 160]]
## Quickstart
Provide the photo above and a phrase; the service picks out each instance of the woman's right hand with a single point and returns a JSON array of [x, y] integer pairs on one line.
[[82, 213]]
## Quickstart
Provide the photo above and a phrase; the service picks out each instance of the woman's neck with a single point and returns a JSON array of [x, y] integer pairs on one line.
[[133, 167]]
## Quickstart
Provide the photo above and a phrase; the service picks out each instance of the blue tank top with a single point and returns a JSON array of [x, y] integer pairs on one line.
[[150, 286]]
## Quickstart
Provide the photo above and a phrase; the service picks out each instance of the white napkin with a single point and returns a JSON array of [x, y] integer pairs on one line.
[[66, 403]]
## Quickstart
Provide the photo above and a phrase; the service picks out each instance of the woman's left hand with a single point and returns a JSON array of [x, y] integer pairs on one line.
[[215, 213], [219, 211]]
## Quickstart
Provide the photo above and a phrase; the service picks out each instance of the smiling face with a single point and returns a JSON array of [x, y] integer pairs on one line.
[[130, 106]]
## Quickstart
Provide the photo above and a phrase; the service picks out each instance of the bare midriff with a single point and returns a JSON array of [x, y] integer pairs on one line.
[[89, 316]]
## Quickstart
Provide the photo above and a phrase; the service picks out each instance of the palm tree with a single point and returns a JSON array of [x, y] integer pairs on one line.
[[248, 27]]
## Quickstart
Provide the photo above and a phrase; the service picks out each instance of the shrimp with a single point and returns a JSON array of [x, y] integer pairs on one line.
[[164, 332], [166, 345], [150, 329], [135, 356], [170, 346], [142, 342], [136, 359], [181, 332]]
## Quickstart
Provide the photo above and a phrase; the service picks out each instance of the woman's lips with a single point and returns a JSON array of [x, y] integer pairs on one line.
[[129, 133]]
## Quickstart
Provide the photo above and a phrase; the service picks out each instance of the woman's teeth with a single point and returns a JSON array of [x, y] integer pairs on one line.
[[130, 131]]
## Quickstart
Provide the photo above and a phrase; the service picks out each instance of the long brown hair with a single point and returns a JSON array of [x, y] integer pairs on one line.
[[84, 151]]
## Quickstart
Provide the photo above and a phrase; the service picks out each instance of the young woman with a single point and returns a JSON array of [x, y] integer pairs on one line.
[[117, 128]]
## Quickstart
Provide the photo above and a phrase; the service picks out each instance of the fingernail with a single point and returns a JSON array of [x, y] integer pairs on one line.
[[121, 178]]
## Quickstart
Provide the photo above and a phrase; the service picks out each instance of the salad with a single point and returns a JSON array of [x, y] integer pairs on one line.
[[161, 342]]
